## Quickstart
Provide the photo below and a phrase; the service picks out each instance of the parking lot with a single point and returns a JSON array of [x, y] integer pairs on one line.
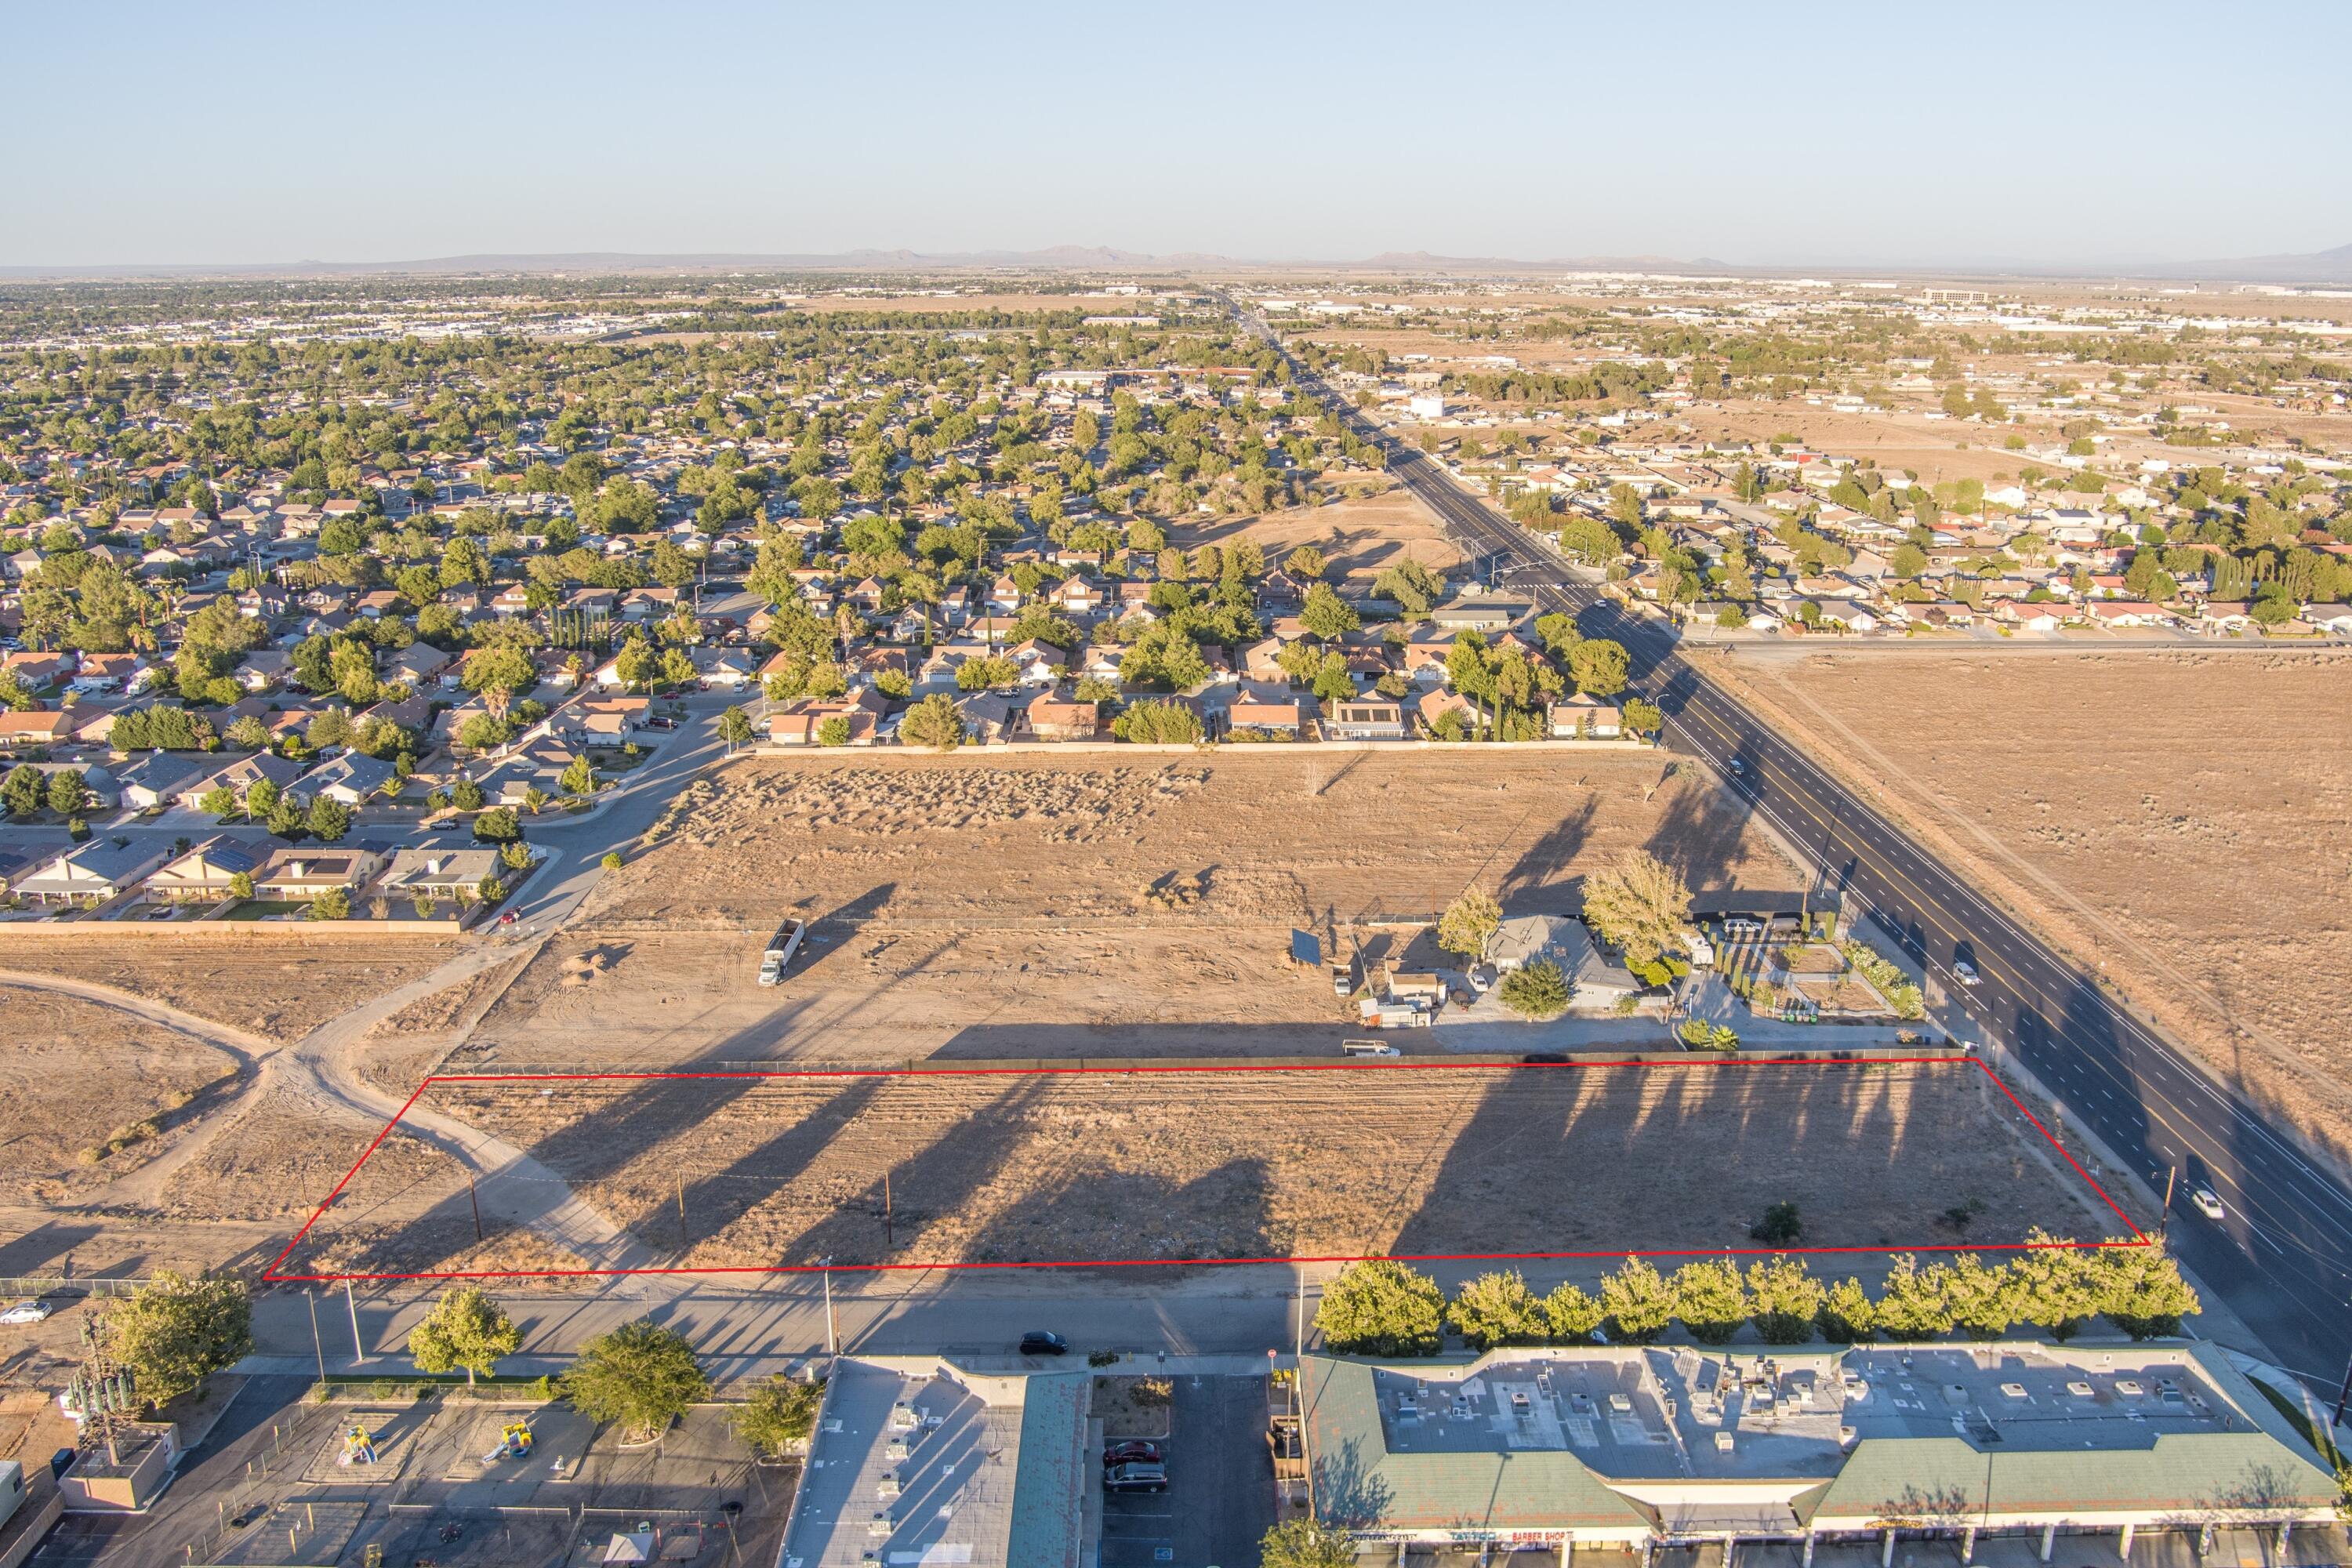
[[1219, 1496]]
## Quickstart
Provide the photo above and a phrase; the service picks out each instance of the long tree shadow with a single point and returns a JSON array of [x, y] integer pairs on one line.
[[1536, 883], [1689, 1158]]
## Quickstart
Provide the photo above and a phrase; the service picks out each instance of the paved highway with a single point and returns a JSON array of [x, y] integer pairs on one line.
[[2283, 1257]]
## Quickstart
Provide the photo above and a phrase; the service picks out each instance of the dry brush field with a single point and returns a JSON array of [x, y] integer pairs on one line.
[[2184, 820], [1033, 906], [1188, 1166]]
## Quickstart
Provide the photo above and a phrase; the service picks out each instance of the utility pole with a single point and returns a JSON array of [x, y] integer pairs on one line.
[[358, 1348], [476, 1200], [317, 1344], [889, 1226], [2343, 1396], [2163, 1220]]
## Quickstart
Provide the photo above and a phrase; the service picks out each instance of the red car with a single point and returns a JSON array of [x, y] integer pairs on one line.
[[1134, 1451]]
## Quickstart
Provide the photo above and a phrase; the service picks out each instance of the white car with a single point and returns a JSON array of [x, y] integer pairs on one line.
[[25, 1312], [1966, 974], [2206, 1204]]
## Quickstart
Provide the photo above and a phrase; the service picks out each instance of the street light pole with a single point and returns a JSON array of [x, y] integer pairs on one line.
[[358, 1348], [832, 1340]]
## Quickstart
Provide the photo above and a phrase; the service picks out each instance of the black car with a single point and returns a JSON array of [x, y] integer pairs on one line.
[[1134, 1451], [1136, 1479], [1040, 1341]]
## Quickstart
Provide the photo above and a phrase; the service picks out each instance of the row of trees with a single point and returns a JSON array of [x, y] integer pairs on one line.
[[1383, 1307]]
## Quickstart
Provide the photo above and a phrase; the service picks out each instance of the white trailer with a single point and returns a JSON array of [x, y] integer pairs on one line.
[[781, 948]]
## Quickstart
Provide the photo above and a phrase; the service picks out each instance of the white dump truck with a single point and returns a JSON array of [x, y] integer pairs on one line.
[[781, 948]]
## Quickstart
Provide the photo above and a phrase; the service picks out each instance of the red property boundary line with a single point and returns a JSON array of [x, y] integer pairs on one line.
[[271, 1273]]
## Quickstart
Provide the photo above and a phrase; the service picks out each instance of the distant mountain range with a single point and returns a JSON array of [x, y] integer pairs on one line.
[[2324, 267]]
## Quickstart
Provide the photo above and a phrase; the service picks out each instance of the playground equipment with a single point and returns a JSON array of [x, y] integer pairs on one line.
[[515, 1442], [358, 1446]]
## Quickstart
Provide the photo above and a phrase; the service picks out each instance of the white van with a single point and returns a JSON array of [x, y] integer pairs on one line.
[[1368, 1048]]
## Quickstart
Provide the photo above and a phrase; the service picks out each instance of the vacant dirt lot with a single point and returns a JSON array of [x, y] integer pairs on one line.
[[1359, 538], [89, 1093], [2185, 820], [281, 989], [1029, 905], [1086, 1167]]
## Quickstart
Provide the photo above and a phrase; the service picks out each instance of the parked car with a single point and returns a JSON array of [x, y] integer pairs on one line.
[[1043, 1341], [2206, 1204], [25, 1312], [1134, 1451], [1136, 1479]]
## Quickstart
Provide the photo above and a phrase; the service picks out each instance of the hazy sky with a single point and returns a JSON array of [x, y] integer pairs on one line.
[[2059, 131]]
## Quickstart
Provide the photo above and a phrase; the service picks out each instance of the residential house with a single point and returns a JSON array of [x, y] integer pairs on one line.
[[799, 723], [34, 727], [203, 875], [1075, 597], [1364, 719], [1585, 717], [1053, 718], [95, 872], [421, 663], [453, 874], [994, 719], [723, 668], [155, 778], [1268, 709], [239, 776], [1435, 705], [350, 779], [306, 871], [1261, 661], [602, 721], [1595, 982]]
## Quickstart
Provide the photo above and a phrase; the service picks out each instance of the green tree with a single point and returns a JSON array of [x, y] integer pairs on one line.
[[640, 1376], [1381, 1308], [497, 826], [1711, 1299], [25, 787], [1496, 1309], [1640, 905], [240, 885], [332, 904], [1469, 923], [1642, 718], [1909, 561], [833, 732], [734, 727], [68, 795], [2142, 1292], [464, 1329], [501, 666], [1784, 1299], [1598, 666], [779, 1416], [2058, 1285], [175, 1332], [1911, 1304], [1307, 1543], [1538, 990], [1638, 1301], [329, 819], [579, 776], [1849, 1315], [1161, 723], [1306, 561], [1325, 616], [934, 722], [1572, 1316]]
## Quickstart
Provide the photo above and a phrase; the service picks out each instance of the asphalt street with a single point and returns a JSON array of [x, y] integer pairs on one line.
[[2282, 1258]]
